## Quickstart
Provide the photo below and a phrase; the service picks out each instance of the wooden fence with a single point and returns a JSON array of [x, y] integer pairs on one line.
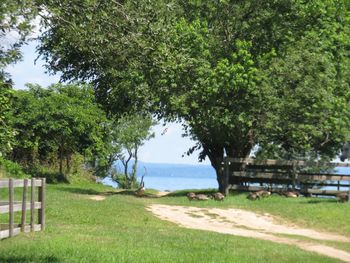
[[10, 228], [309, 177]]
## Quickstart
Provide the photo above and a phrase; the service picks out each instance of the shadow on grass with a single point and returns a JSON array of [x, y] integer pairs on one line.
[[196, 191], [132, 192], [23, 259], [322, 200], [84, 191], [52, 177], [76, 190], [179, 193], [55, 178]]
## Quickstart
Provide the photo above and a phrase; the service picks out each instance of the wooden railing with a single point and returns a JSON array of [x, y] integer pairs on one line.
[[36, 202], [241, 173]]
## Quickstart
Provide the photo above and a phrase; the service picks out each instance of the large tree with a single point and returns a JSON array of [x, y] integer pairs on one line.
[[239, 73]]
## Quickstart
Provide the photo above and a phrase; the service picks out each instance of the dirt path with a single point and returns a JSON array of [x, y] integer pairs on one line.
[[97, 197], [248, 224]]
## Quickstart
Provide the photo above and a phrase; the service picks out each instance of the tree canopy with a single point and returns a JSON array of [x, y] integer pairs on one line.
[[239, 73], [15, 26], [54, 123]]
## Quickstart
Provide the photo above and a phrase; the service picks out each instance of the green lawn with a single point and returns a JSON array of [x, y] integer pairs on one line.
[[119, 229]]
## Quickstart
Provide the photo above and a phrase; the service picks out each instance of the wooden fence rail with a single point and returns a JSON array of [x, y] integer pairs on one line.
[[241, 173], [11, 206]]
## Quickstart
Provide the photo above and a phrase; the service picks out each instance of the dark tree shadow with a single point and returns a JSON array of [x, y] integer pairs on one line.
[[84, 191], [76, 190], [52, 177], [180, 193], [322, 200]]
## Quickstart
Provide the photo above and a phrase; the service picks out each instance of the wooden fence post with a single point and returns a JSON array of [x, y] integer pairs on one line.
[[11, 200], [32, 205], [42, 200], [24, 205]]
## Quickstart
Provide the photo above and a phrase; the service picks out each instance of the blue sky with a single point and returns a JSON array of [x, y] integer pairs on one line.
[[167, 148]]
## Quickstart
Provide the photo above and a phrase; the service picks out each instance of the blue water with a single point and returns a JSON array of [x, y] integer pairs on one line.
[[174, 176], [179, 176]]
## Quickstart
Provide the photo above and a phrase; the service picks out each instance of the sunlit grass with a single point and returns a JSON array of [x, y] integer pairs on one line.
[[120, 229]]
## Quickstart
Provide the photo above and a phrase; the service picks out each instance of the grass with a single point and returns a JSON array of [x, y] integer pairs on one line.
[[120, 229]]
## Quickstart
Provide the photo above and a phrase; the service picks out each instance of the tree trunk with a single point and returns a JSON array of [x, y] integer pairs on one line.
[[68, 162], [61, 155], [216, 157], [61, 160], [126, 165], [134, 167]]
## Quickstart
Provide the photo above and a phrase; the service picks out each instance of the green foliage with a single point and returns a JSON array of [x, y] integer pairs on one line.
[[53, 176], [7, 133], [55, 123], [129, 134], [132, 130], [312, 90], [49, 172], [11, 169], [125, 182], [15, 26], [111, 48]]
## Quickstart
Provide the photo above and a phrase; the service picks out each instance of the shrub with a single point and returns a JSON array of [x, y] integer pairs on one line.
[[123, 181], [11, 169]]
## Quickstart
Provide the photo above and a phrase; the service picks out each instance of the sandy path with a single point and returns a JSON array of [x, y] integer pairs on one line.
[[248, 224], [97, 197]]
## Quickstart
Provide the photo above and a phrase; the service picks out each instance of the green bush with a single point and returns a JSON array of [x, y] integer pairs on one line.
[[11, 169], [123, 181], [51, 174]]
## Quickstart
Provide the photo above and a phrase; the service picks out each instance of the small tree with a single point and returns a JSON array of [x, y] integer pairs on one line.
[[131, 131]]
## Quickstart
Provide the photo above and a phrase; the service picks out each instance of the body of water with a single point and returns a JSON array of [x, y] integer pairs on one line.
[[174, 176], [179, 176]]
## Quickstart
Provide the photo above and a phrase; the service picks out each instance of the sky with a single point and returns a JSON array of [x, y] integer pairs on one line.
[[166, 148]]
